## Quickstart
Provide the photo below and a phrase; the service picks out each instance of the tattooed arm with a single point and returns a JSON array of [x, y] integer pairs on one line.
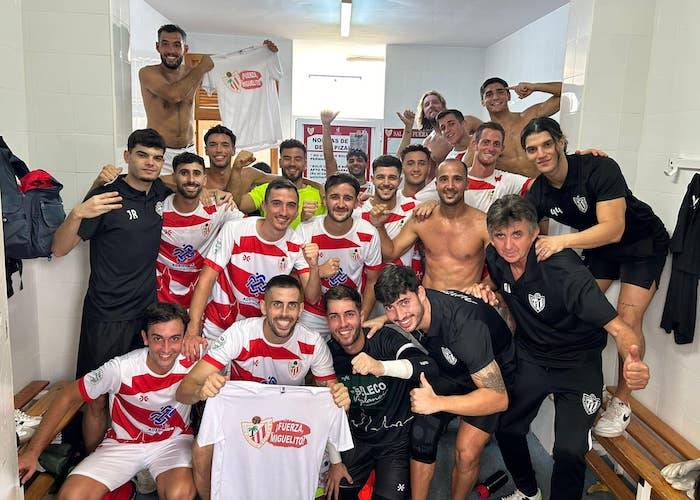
[[489, 397]]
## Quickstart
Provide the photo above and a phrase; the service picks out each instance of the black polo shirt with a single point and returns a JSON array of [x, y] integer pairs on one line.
[[591, 179], [380, 407], [465, 335], [557, 305], [123, 251]]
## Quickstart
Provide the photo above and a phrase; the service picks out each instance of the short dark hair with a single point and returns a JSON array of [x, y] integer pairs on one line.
[[393, 281], [284, 281], [220, 129], [262, 166], [342, 292], [492, 126], [489, 81], [147, 137], [455, 112], [162, 312], [185, 158], [172, 28], [412, 148], [542, 124], [387, 161], [508, 209], [292, 143], [280, 184], [357, 152], [342, 178]]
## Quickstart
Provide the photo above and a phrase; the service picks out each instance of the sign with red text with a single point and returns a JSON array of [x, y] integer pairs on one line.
[[392, 139]]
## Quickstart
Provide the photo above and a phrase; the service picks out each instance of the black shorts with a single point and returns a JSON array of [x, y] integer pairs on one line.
[[390, 463], [642, 272], [101, 341]]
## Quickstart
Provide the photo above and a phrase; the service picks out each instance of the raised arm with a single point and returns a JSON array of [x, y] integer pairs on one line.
[[408, 117], [174, 92], [368, 298], [546, 108], [200, 297], [327, 117], [393, 249]]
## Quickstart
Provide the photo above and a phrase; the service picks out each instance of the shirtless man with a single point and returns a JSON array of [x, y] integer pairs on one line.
[[168, 92], [454, 236], [495, 94]]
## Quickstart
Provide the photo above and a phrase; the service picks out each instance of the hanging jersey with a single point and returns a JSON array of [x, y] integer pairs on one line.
[[245, 262], [184, 240], [358, 249], [142, 404], [248, 102], [269, 441], [482, 192], [254, 359]]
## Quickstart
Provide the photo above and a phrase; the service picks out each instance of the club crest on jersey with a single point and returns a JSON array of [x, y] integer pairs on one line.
[[447, 354], [256, 284], [159, 208], [590, 402], [95, 376], [184, 253], [537, 301], [581, 203], [161, 417], [355, 254], [338, 278], [295, 367], [206, 229], [282, 264], [219, 342], [257, 432]]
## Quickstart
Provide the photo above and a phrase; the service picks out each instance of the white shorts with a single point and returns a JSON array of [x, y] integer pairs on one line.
[[171, 153], [316, 324], [113, 463]]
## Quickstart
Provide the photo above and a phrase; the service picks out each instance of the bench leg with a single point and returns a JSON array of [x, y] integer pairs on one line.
[[643, 490]]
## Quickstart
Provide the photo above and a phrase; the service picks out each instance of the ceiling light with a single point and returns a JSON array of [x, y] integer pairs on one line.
[[345, 16]]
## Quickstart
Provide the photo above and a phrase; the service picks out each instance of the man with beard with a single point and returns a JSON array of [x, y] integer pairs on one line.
[[123, 223], [454, 236], [292, 162], [168, 91], [350, 244], [242, 258], [261, 350], [189, 229], [495, 94], [357, 160], [379, 374]]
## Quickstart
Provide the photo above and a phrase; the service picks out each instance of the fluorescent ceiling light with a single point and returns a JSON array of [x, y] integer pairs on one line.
[[345, 16]]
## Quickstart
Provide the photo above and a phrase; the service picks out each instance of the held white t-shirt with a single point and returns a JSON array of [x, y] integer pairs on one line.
[[248, 102], [269, 439]]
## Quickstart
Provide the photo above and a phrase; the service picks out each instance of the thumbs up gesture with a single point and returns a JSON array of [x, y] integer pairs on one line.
[[635, 371], [423, 398]]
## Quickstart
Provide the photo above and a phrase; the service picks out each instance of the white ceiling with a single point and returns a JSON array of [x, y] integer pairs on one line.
[[472, 23]]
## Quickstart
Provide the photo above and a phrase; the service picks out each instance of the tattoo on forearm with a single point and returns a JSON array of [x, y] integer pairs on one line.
[[490, 378]]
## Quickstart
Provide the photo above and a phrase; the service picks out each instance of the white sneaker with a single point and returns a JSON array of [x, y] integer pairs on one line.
[[519, 495], [614, 420], [24, 420], [24, 434], [145, 483]]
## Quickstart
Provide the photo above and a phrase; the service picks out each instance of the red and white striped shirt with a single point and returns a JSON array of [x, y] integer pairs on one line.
[[255, 359], [184, 241], [245, 262], [142, 403], [482, 192]]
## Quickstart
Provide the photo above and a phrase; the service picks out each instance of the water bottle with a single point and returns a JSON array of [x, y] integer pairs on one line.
[[491, 484]]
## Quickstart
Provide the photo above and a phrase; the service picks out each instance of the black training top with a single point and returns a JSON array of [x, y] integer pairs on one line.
[[591, 179], [380, 408], [123, 251], [465, 335], [557, 305]]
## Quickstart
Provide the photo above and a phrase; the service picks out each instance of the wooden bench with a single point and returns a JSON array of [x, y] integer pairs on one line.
[[42, 482], [650, 445]]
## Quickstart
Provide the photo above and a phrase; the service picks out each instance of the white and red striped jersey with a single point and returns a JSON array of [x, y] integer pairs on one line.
[[255, 359], [483, 192], [456, 155], [142, 404], [358, 250], [245, 262], [184, 241]]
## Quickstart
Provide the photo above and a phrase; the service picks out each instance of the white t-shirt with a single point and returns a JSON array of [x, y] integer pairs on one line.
[[245, 262], [248, 102], [255, 359], [269, 440], [358, 249], [142, 404], [184, 240], [484, 191]]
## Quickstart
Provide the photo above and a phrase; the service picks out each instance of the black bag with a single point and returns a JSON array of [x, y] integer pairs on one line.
[[31, 210]]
